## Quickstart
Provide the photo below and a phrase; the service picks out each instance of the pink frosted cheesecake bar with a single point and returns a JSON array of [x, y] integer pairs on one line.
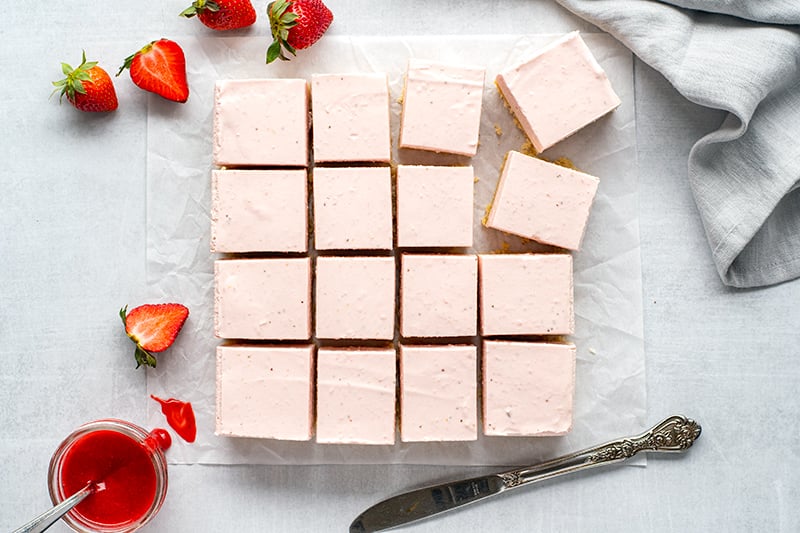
[[355, 298], [356, 396], [265, 391], [262, 298], [542, 201], [438, 398], [526, 294], [350, 115], [261, 123], [557, 91], [353, 208], [528, 388], [259, 211], [442, 107], [434, 206], [438, 295]]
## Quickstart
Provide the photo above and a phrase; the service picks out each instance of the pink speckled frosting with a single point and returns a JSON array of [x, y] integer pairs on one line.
[[356, 396], [438, 393], [351, 117], [442, 107], [261, 123], [542, 201], [558, 91], [262, 298], [265, 391], [438, 295], [528, 388], [526, 294]]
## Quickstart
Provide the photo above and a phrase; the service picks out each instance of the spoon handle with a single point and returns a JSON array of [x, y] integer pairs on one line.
[[51, 516]]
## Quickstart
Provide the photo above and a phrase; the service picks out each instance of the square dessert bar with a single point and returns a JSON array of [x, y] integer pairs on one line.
[[262, 298], [438, 398], [353, 208], [557, 91], [442, 107], [542, 201], [265, 391], [438, 295], [355, 298], [261, 123], [259, 211], [528, 388], [526, 294], [350, 115], [434, 206], [356, 396]]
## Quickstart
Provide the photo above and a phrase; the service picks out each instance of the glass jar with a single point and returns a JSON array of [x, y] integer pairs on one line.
[[127, 467]]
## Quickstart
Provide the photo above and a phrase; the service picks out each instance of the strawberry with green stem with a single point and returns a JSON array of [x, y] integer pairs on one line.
[[87, 87], [153, 328], [222, 15], [295, 25]]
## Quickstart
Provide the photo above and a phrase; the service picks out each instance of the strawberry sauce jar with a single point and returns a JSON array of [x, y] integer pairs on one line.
[[127, 467]]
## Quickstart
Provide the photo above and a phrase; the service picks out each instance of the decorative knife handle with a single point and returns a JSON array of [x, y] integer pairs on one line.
[[674, 434]]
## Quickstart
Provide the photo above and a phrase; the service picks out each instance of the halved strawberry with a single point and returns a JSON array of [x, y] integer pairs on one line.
[[159, 67], [153, 327]]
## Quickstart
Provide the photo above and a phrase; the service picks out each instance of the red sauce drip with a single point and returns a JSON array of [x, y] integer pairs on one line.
[[159, 438], [180, 417], [123, 474]]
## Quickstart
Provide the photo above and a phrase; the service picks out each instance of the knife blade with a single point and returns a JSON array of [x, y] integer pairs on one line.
[[674, 434], [429, 501]]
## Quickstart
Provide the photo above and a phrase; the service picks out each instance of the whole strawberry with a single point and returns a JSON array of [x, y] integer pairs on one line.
[[296, 24], [222, 14], [88, 87], [159, 67], [153, 327]]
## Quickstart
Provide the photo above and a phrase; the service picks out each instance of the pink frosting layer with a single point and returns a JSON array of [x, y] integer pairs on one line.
[[438, 295], [442, 107], [558, 91], [356, 396], [542, 201], [265, 391], [434, 206], [352, 208], [355, 298], [438, 398], [351, 117], [261, 123], [526, 294], [528, 388], [259, 211], [262, 298]]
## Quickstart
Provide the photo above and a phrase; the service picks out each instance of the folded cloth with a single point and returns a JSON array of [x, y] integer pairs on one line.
[[742, 57]]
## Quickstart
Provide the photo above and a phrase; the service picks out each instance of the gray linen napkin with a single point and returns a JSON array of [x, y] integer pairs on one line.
[[742, 57]]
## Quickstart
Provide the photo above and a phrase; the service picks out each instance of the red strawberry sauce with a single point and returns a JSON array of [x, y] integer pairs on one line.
[[180, 417], [123, 473]]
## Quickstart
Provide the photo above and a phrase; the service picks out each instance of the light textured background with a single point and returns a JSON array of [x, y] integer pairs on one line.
[[72, 212]]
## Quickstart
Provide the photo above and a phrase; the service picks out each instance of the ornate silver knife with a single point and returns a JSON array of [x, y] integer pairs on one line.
[[675, 434]]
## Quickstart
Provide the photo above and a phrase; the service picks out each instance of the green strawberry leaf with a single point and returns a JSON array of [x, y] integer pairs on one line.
[[274, 51]]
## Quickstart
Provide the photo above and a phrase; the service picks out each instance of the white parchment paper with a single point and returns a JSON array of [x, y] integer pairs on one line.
[[610, 388]]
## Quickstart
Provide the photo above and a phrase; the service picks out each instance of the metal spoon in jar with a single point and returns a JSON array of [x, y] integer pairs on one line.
[[51, 516]]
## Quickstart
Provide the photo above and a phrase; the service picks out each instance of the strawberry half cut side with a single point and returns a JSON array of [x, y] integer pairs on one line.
[[160, 68], [153, 328]]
